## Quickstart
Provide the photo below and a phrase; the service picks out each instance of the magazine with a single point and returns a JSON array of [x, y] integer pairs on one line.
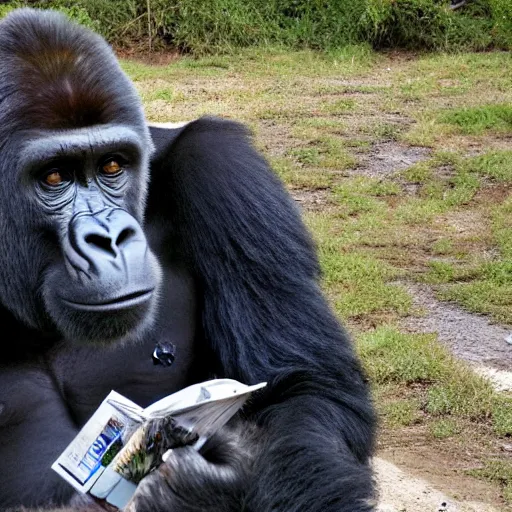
[[122, 442]]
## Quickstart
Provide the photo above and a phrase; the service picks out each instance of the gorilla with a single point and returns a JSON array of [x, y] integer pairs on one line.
[[116, 238]]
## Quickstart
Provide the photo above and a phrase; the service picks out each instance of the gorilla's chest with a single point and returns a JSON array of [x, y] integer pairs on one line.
[[87, 374], [44, 401]]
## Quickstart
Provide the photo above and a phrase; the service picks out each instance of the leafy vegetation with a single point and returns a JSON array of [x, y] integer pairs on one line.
[[219, 26]]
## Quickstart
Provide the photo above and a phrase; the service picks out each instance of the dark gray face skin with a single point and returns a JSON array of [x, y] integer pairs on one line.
[[74, 152]]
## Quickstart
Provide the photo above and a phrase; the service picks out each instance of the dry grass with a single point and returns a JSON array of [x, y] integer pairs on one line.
[[402, 165]]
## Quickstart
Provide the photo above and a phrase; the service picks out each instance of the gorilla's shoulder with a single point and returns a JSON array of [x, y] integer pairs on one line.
[[216, 129]]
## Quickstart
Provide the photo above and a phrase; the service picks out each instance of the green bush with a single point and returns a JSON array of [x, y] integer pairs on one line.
[[203, 26], [71, 9], [427, 24], [214, 26], [502, 22]]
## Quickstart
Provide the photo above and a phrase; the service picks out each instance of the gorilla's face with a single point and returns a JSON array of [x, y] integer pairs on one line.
[[84, 190], [74, 150]]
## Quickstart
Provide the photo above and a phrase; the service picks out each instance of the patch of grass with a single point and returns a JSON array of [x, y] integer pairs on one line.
[[165, 94], [502, 416], [427, 132], [316, 127], [358, 285], [392, 356], [279, 63], [338, 107], [499, 472], [351, 89], [496, 165], [297, 177], [420, 211], [438, 192], [477, 120], [502, 227], [444, 428], [461, 189], [356, 282], [449, 391], [483, 296], [490, 290], [401, 413], [283, 113], [443, 246], [440, 272], [384, 131], [334, 154], [363, 195], [418, 173], [462, 393], [306, 156], [327, 152]]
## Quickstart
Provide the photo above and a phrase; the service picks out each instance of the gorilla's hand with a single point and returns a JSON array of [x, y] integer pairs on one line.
[[212, 479]]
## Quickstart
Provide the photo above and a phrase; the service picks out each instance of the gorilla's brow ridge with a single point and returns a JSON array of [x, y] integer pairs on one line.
[[73, 143]]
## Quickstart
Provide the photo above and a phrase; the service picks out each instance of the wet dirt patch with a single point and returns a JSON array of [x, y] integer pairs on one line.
[[387, 158], [469, 336]]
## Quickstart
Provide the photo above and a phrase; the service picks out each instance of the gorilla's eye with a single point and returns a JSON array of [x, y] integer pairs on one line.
[[55, 177], [111, 167]]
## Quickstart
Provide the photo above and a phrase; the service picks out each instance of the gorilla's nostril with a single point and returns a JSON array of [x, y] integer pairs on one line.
[[125, 236], [100, 242]]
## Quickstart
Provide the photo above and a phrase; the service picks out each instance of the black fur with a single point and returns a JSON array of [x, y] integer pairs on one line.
[[240, 298], [265, 318]]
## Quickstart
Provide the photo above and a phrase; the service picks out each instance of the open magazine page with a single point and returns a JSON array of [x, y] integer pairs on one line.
[[122, 442], [81, 463]]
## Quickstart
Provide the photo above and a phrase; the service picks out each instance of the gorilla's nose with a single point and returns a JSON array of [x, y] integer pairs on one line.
[[110, 241]]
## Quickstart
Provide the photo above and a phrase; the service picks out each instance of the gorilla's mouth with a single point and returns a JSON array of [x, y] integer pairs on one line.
[[126, 301]]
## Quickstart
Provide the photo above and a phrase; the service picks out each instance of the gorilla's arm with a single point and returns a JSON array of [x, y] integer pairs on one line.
[[265, 319]]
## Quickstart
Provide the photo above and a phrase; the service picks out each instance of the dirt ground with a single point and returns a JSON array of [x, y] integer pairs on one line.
[[469, 336], [327, 123], [415, 475], [402, 492]]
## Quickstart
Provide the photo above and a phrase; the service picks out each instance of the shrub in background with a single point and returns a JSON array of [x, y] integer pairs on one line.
[[216, 26]]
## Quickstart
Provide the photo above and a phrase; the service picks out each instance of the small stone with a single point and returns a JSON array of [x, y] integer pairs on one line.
[[508, 339]]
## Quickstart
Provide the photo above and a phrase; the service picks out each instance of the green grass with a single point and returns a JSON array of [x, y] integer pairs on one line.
[[288, 170], [444, 221], [392, 356], [489, 291], [483, 296], [494, 165], [477, 120], [224, 26], [450, 390], [444, 428], [499, 472], [401, 413], [359, 285], [502, 227]]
